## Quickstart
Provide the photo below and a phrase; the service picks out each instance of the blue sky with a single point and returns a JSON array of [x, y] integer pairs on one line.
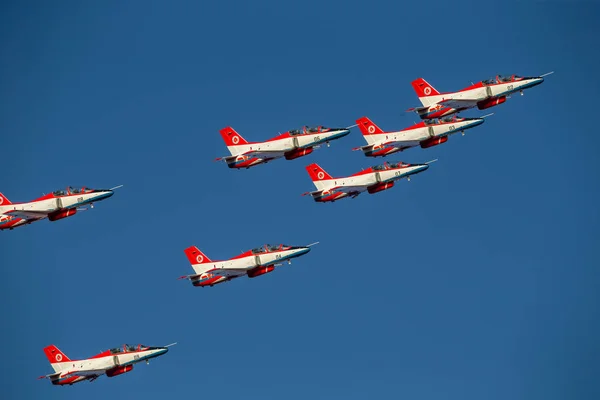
[[478, 279]]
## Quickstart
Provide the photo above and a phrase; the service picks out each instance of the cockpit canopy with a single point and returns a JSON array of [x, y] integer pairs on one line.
[[445, 120], [502, 79], [71, 190], [306, 130], [269, 248], [390, 165], [128, 348]]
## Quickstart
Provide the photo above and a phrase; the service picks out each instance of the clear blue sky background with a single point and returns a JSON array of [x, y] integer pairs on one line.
[[478, 279]]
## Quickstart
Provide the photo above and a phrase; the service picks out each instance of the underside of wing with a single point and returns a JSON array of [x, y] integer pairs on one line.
[[29, 215], [89, 373], [349, 189], [228, 272], [266, 154], [458, 104], [401, 143]]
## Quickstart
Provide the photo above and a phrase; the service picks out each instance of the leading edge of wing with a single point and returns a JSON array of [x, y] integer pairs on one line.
[[457, 103], [31, 215], [228, 272]]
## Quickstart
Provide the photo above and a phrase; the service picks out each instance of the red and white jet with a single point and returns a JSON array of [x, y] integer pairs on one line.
[[292, 144], [111, 362], [426, 134], [373, 180], [484, 94], [255, 262], [54, 206]]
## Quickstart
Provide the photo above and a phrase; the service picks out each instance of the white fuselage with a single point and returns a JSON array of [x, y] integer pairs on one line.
[[56, 203], [483, 92], [251, 261], [369, 179], [289, 143], [96, 366], [413, 136]]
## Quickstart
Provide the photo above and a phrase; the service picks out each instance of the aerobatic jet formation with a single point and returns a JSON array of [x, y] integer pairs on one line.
[[253, 263], [291, 145], [111, 362], [427, 133], [54, 206], [373, 180], [484, 94]]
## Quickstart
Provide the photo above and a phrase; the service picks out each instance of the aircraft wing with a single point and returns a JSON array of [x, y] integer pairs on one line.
[[458, 104], [270, 154], [402, 144], [29, 215], [265, 154], [228, 272], [89, 373], [349, 189], [344, 189]]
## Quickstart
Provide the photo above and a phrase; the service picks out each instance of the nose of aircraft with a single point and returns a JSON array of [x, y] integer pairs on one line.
[[536, 81], [418, 168], [159, 351], [302, 250], [477, 121], [344, 132]]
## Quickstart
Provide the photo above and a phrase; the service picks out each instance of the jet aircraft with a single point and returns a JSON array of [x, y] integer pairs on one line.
[[292, 144], [427, 133], [484, 94], [111, 362], [253, 263], [373, 180], [54, 206]]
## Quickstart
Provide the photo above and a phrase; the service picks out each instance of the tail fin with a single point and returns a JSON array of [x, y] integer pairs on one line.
[[368, 128], [318, 175], [424, 90], [196, 257], [4, 201], [232, 138], [56, 357]]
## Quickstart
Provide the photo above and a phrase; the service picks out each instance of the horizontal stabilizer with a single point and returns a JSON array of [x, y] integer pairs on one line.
[[417, 109], [315, 193], [364, 148], [52, 377], [227, 159]]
